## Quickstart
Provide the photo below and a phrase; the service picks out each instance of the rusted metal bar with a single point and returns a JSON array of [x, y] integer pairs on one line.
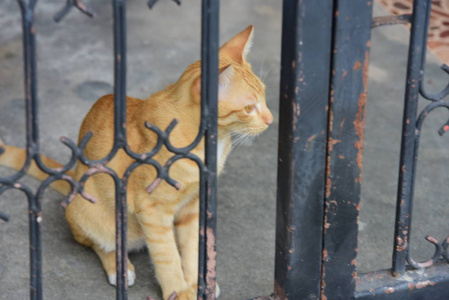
[[32, 139], [119, 14], [270, 297], [304, 90], [79, 4], [208, 184], [390, 20], [352, 24], [412, 125], [433, 283], [407, 167]]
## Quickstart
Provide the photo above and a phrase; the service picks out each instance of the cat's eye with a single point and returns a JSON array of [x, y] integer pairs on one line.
[[250, 108]]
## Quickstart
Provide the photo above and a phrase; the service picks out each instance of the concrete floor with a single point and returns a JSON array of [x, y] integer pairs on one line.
[[75, 68]]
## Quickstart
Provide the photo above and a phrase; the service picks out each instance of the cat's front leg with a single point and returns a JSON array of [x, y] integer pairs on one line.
[[160, 238], [187, 227]]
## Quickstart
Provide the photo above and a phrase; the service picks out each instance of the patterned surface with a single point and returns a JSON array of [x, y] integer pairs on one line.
[[438, 40]]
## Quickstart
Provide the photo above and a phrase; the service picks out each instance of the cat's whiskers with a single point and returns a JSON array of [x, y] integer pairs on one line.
[[242, 137], [263, 76]]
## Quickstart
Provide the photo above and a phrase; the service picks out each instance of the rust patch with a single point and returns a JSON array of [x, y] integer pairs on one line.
[[341, 157], [324, 255], [278, 290], [341, 127], [297, 112], [323, 274], [400, 248], [389, 290], [328, 179], [411, 286], [211, 259], [357, 65], [332, 205], [331, 143], [311, 138], [422, 284], [359, 122], [354, 262], [344, 75]]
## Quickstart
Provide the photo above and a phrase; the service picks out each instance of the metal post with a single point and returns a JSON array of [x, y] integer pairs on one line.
[[304, 91], [209, 113], [351, 42]]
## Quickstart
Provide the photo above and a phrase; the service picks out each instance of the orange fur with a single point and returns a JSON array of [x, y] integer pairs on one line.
[[165, 220]]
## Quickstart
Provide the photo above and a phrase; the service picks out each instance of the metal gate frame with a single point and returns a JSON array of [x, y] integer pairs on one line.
[[316, 242], [325, 54]]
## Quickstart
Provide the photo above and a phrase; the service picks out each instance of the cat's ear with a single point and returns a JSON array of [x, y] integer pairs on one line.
[[238, 47], [224, 83]]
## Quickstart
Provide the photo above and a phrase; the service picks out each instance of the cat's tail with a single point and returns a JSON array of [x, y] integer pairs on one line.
[[14, 157]]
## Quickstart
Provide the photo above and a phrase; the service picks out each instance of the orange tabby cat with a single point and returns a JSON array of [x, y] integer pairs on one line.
[[165, 220]]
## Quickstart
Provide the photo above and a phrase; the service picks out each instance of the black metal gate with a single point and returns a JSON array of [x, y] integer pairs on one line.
[[325, 53]]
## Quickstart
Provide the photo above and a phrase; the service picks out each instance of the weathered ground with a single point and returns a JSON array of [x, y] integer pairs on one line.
[[75, 68]]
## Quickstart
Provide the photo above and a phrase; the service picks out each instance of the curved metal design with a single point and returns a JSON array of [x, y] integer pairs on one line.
[[412, 125], [207, 132], [79, 4], [151, 3]]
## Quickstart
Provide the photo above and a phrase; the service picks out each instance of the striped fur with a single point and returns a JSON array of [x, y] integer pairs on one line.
[[165, 220]]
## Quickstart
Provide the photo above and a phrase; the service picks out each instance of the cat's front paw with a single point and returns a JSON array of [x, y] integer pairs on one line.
[[187, 294], [217, 290], [131, 278]]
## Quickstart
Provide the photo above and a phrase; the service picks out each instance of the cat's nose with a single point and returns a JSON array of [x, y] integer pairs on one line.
[[268, 119]]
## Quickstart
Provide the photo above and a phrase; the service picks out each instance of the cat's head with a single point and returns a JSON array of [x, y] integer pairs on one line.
[[242, 109]]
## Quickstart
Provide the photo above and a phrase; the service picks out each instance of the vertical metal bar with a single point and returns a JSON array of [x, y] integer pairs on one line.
[[304, 91], [209, 112], [119, 8], [35, 218], [352, 24], [408, 156], [30, 82]]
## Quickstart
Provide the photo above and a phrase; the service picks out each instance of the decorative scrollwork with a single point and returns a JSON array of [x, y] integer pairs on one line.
[[207, 131], [79, 4], [445, 249], [436, 96], [151, 3], [436, 255], [412, 125]]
